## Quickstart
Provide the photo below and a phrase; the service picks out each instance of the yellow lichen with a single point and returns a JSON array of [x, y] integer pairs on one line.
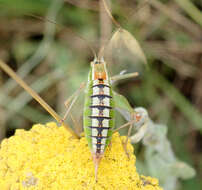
[[48, 158]]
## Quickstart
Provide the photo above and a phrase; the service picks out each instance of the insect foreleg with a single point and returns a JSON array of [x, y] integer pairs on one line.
[[118, 77], [135, 118], [125, 125], [129, 132], [72, 99]]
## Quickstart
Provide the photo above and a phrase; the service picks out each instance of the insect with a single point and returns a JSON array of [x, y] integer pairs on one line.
[[99, 110], [98, 118], [99, 106]]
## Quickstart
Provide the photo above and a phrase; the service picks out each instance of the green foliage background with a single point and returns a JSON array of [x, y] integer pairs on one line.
[[55, 60]]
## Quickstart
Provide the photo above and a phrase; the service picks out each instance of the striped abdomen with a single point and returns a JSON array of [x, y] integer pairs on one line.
[[98, 115]]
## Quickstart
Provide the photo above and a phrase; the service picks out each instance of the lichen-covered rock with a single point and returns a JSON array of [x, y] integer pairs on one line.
[[48, 158]]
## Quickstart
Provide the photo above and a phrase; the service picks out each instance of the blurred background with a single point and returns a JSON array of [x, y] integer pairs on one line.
[[54, 59]]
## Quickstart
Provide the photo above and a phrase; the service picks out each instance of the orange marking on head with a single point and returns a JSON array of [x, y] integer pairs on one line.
[[100, 75]]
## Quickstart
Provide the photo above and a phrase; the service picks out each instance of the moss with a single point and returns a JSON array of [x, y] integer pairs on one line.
[[48, 158]]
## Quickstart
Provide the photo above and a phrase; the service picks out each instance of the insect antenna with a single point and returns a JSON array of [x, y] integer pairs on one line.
[[143, 4], [110, 15], [130, 42], [88, 44]]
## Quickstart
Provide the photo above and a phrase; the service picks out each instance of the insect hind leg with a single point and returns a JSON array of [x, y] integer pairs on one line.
[[72, 99]]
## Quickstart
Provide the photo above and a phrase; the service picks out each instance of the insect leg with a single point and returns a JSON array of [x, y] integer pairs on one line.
[[134, 119], [140, 118], [125, 125], [129, 132], [24, 85], [76, 125], [72, 99], [118, 77]]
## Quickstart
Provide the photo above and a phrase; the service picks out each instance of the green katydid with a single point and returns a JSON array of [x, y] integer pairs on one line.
[[100, 101]]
